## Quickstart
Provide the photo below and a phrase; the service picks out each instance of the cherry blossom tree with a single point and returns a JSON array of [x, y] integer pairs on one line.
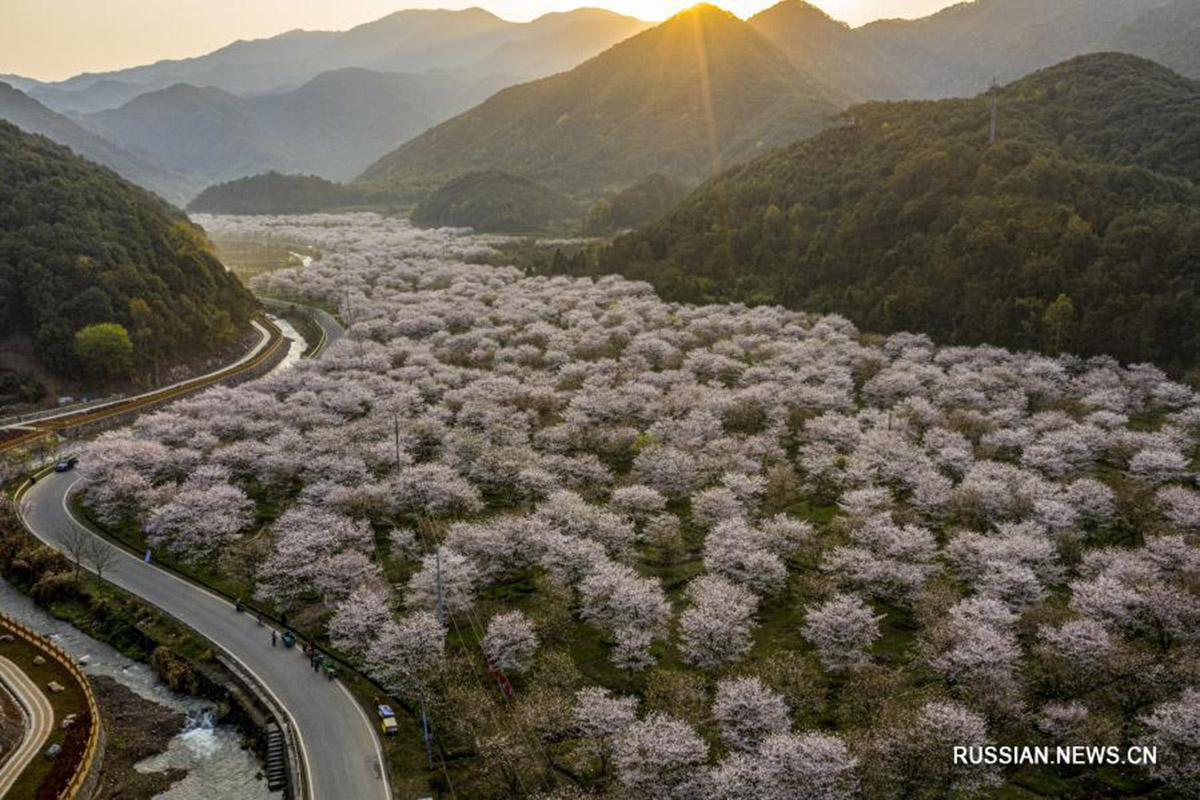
[[629, 607], [659, 756], [197, 523], [457, 578], [886, 560], [1174, 728], [786, 766], [1180, 506], [748, 712], [716, 629], [316, 550], [600, 718], [736, 551], [510, 641], [407, 650], [916, 758], [359, 619], [842, 629], [638, 503]]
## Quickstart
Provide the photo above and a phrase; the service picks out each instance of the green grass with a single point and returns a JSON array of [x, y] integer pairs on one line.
[[249, 258]]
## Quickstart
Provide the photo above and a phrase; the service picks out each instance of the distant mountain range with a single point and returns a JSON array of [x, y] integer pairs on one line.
[[699, 92], [961, 50], [333, 126], [473, 42], [623, 102]]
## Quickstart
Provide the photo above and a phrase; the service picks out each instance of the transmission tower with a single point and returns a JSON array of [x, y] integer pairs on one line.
[[993, 107]]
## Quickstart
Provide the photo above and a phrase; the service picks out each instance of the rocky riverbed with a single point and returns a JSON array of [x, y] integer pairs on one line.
[[160, 744]]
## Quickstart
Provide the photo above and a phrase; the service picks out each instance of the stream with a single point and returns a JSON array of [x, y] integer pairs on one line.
[[297, 344], [217, 766]]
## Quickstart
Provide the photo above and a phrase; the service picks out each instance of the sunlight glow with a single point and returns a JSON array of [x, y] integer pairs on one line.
[[54, 40]]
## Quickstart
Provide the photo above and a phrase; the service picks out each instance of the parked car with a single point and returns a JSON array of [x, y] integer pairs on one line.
[[66, 464], [387, 721]]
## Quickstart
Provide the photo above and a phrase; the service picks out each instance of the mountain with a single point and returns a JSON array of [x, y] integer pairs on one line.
[[258, 65], [409, 39], [32, 117], [1169, 34], [333, 126], [960, 50], [340, 122], [557, 42], [80, 246], [685, 98], [95, 97], [964, 48], [830, 51], [273, 193], [1076, 229], [492, 202], [473, 42], [205, 132]]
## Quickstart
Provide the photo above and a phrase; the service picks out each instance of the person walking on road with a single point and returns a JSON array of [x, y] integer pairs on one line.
[[273, 637]]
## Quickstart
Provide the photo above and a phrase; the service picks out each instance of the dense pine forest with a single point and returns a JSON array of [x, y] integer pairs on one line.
[[1075, 230]]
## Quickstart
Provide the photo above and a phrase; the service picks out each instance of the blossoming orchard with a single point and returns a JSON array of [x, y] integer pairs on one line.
[[714, 551]]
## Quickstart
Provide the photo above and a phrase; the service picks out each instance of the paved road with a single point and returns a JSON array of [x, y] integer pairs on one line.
[[333, 329], [329, 325], [39, 722], [342, 754], [263, 340]]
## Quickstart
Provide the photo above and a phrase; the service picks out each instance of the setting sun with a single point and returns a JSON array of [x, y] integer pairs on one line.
[[89, 37]]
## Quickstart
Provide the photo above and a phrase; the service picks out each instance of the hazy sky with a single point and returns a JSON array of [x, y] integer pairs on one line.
[[54, 39]]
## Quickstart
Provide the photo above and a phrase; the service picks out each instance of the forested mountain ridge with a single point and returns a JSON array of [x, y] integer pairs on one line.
[[492, 202], [1076, 230], [273, 193], [32, 117], [683, 99], [80, 247]]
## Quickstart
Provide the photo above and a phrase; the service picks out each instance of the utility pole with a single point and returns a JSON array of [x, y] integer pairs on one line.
[[425, 725], [396, 420], [441, 601], [993, 106]]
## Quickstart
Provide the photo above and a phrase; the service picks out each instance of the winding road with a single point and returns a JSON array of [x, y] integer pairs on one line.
[[342, 757], [331, 329], [341, 753], [39, 722], [52, 420]]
